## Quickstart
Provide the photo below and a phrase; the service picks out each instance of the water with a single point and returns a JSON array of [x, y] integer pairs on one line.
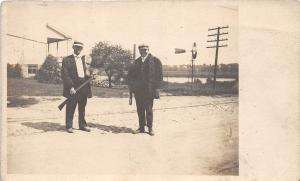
[[176, 79], [185, 79]]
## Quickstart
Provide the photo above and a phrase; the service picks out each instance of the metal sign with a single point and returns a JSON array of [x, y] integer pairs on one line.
[[178, 51]]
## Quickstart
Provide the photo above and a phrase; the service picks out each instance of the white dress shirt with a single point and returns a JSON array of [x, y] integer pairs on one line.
[[79, 65]]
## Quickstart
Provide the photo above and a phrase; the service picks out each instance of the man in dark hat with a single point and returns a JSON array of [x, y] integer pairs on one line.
[[74, 73], [145, 77]]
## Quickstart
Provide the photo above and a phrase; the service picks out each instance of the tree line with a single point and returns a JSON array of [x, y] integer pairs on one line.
[[233, 67], [115, 61], [223, 70]]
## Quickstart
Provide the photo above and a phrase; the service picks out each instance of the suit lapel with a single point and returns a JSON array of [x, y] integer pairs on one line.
[[148, 58], [83, 63], [73, 64], [151, 67]]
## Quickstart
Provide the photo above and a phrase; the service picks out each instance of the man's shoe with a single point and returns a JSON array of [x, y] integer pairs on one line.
[[151, 132], [85, 129], [70, 130], [138, 131]]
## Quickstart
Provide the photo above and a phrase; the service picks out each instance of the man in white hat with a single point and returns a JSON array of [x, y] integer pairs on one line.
[[145, 77], [74, 73]]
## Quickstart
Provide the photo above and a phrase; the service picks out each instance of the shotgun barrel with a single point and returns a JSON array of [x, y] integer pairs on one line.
[[62, 105]]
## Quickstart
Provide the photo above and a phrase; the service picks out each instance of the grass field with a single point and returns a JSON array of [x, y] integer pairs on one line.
[[18, 88], [31, 87]]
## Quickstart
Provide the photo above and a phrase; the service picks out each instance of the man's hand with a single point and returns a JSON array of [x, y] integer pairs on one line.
[[72, 91]]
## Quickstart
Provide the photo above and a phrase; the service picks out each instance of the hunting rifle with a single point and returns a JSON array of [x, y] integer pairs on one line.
[[62, 105]]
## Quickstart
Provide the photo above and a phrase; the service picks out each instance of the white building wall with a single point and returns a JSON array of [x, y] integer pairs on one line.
[[24, 51], [64, 48]]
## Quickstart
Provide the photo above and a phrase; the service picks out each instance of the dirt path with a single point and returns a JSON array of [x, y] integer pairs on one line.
[[194, 135]]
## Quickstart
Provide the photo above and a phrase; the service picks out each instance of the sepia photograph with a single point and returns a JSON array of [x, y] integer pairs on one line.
[[122, 88]]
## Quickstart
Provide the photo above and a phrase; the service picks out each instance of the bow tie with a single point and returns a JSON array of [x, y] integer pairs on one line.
[[77, 57]]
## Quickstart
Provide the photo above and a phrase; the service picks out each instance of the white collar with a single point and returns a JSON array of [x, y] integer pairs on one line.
[[77, 56], [144, 58]]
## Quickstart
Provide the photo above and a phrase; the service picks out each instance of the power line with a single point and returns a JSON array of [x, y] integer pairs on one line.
[[217, 46], [25, 38]]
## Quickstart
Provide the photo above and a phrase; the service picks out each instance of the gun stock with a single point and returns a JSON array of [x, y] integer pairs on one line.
[[62, 105]]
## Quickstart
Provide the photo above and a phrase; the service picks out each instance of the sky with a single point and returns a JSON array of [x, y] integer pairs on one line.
[[163, 25]]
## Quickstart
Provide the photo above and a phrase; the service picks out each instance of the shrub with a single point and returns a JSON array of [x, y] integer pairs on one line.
[[14, 71], [50, 71], [18, 71], [10, 70]]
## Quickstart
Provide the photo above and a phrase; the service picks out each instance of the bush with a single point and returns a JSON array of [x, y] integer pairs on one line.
[[10, 70], [18, 71], [14, 71], [50, 71]]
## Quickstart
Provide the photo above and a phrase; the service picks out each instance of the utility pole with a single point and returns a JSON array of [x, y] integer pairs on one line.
[[217, 46], [134, 47]]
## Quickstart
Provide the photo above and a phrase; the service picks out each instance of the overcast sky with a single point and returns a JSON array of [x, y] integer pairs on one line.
[[163, 25]]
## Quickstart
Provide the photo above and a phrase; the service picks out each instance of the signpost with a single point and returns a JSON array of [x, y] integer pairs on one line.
[[194, 55]]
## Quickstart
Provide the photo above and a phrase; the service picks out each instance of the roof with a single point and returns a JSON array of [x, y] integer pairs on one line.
[[54, 29]]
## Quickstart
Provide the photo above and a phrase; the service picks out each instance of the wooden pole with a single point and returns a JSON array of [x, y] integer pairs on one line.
[[217, 40], [192, 73], [216, 59], [134, 47], [57, 49]]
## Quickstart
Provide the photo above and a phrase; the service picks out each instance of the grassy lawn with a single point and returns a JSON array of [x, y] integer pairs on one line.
[[185, 89], [30, 87]]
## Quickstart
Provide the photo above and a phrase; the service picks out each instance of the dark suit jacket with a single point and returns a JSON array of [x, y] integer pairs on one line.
[[145, 84], [70, 76]]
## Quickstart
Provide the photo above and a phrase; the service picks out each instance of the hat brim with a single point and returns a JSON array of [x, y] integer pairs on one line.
[[143, 48], [78, 45]]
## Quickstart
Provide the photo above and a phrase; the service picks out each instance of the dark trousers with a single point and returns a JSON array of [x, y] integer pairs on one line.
[[79, 98], [144, 106]]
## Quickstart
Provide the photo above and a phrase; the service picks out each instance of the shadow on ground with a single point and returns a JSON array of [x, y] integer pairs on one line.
[[15, 101], [45, 126], [226, 168], [113, 129], [48, 126]]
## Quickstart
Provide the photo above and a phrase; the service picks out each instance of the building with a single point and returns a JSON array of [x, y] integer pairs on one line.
[[30, 51]]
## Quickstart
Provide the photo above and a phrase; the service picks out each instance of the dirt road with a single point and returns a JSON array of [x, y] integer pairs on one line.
[[194, 135]]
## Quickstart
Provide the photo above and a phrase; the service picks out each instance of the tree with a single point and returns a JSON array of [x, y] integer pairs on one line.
[[113, 58], [49, 71], [18, 71], [14, 71], [10, 70]]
